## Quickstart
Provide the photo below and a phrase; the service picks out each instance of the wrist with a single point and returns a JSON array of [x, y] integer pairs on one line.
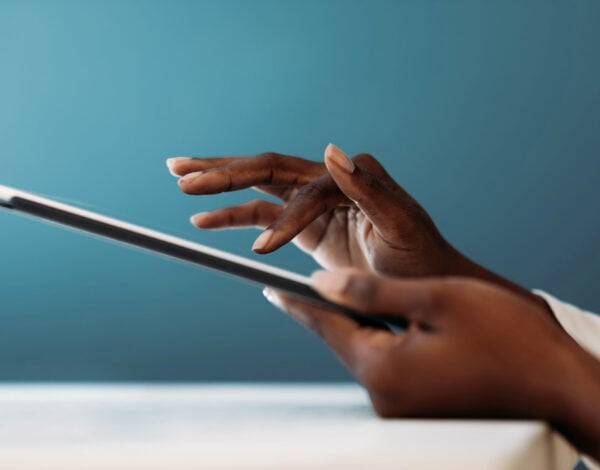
[[459, 265]]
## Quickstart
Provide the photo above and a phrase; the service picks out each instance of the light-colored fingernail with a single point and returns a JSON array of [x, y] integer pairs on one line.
[[336, 156], [171, 163], [196, 217], [326, 281], [190, 176], [272, 297], [262, 241]]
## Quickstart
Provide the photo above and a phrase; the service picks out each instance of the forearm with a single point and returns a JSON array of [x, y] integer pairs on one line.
[[465, 267], [578, 379]]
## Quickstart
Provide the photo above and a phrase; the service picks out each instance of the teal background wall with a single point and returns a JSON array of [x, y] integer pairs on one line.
[[488, 112]]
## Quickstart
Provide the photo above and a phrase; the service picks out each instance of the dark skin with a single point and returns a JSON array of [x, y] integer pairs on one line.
[[471, 350], [344, 213], [479, 346]]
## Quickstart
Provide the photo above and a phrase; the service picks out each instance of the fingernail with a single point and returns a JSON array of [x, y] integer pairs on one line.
[[338, 157], [195, 217], [190, 176], [171, 163], [326, 281], [261, 242], [272, 297]]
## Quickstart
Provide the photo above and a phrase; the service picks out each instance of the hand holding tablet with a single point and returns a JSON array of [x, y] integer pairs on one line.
[[345, 213], [471, 350], [459, 355]]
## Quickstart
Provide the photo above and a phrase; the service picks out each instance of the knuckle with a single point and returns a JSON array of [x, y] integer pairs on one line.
[[368, 162], [271, 157], [365, 158], [255, 204], [311, 191], [372, 182], [254, 208], [370, 187]]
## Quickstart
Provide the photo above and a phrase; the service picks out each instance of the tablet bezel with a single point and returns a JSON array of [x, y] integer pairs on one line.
[[134, 235]]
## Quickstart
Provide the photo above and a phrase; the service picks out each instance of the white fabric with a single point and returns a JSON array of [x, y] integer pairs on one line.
[[583, 327]]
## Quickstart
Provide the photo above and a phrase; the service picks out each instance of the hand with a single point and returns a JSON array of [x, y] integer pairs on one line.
[[470, 350], [345, 213]]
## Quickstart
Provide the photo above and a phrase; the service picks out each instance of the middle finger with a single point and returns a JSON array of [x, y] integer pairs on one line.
[[263, 170]]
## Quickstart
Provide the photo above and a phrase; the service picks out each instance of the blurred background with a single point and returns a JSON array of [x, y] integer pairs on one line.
[[487, 112]]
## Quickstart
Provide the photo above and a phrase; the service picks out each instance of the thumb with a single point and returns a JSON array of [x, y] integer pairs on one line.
[[377, 196], [375, 295]]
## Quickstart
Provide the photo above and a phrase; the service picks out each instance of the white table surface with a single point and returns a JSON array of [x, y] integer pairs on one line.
[[237, 426]]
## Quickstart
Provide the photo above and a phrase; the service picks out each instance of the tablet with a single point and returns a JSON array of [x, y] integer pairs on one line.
[[242, 268]]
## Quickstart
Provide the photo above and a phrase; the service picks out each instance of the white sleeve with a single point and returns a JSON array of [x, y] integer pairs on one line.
[[582, 326]]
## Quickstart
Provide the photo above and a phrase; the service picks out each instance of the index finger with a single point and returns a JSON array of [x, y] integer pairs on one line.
[[415, 300]]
